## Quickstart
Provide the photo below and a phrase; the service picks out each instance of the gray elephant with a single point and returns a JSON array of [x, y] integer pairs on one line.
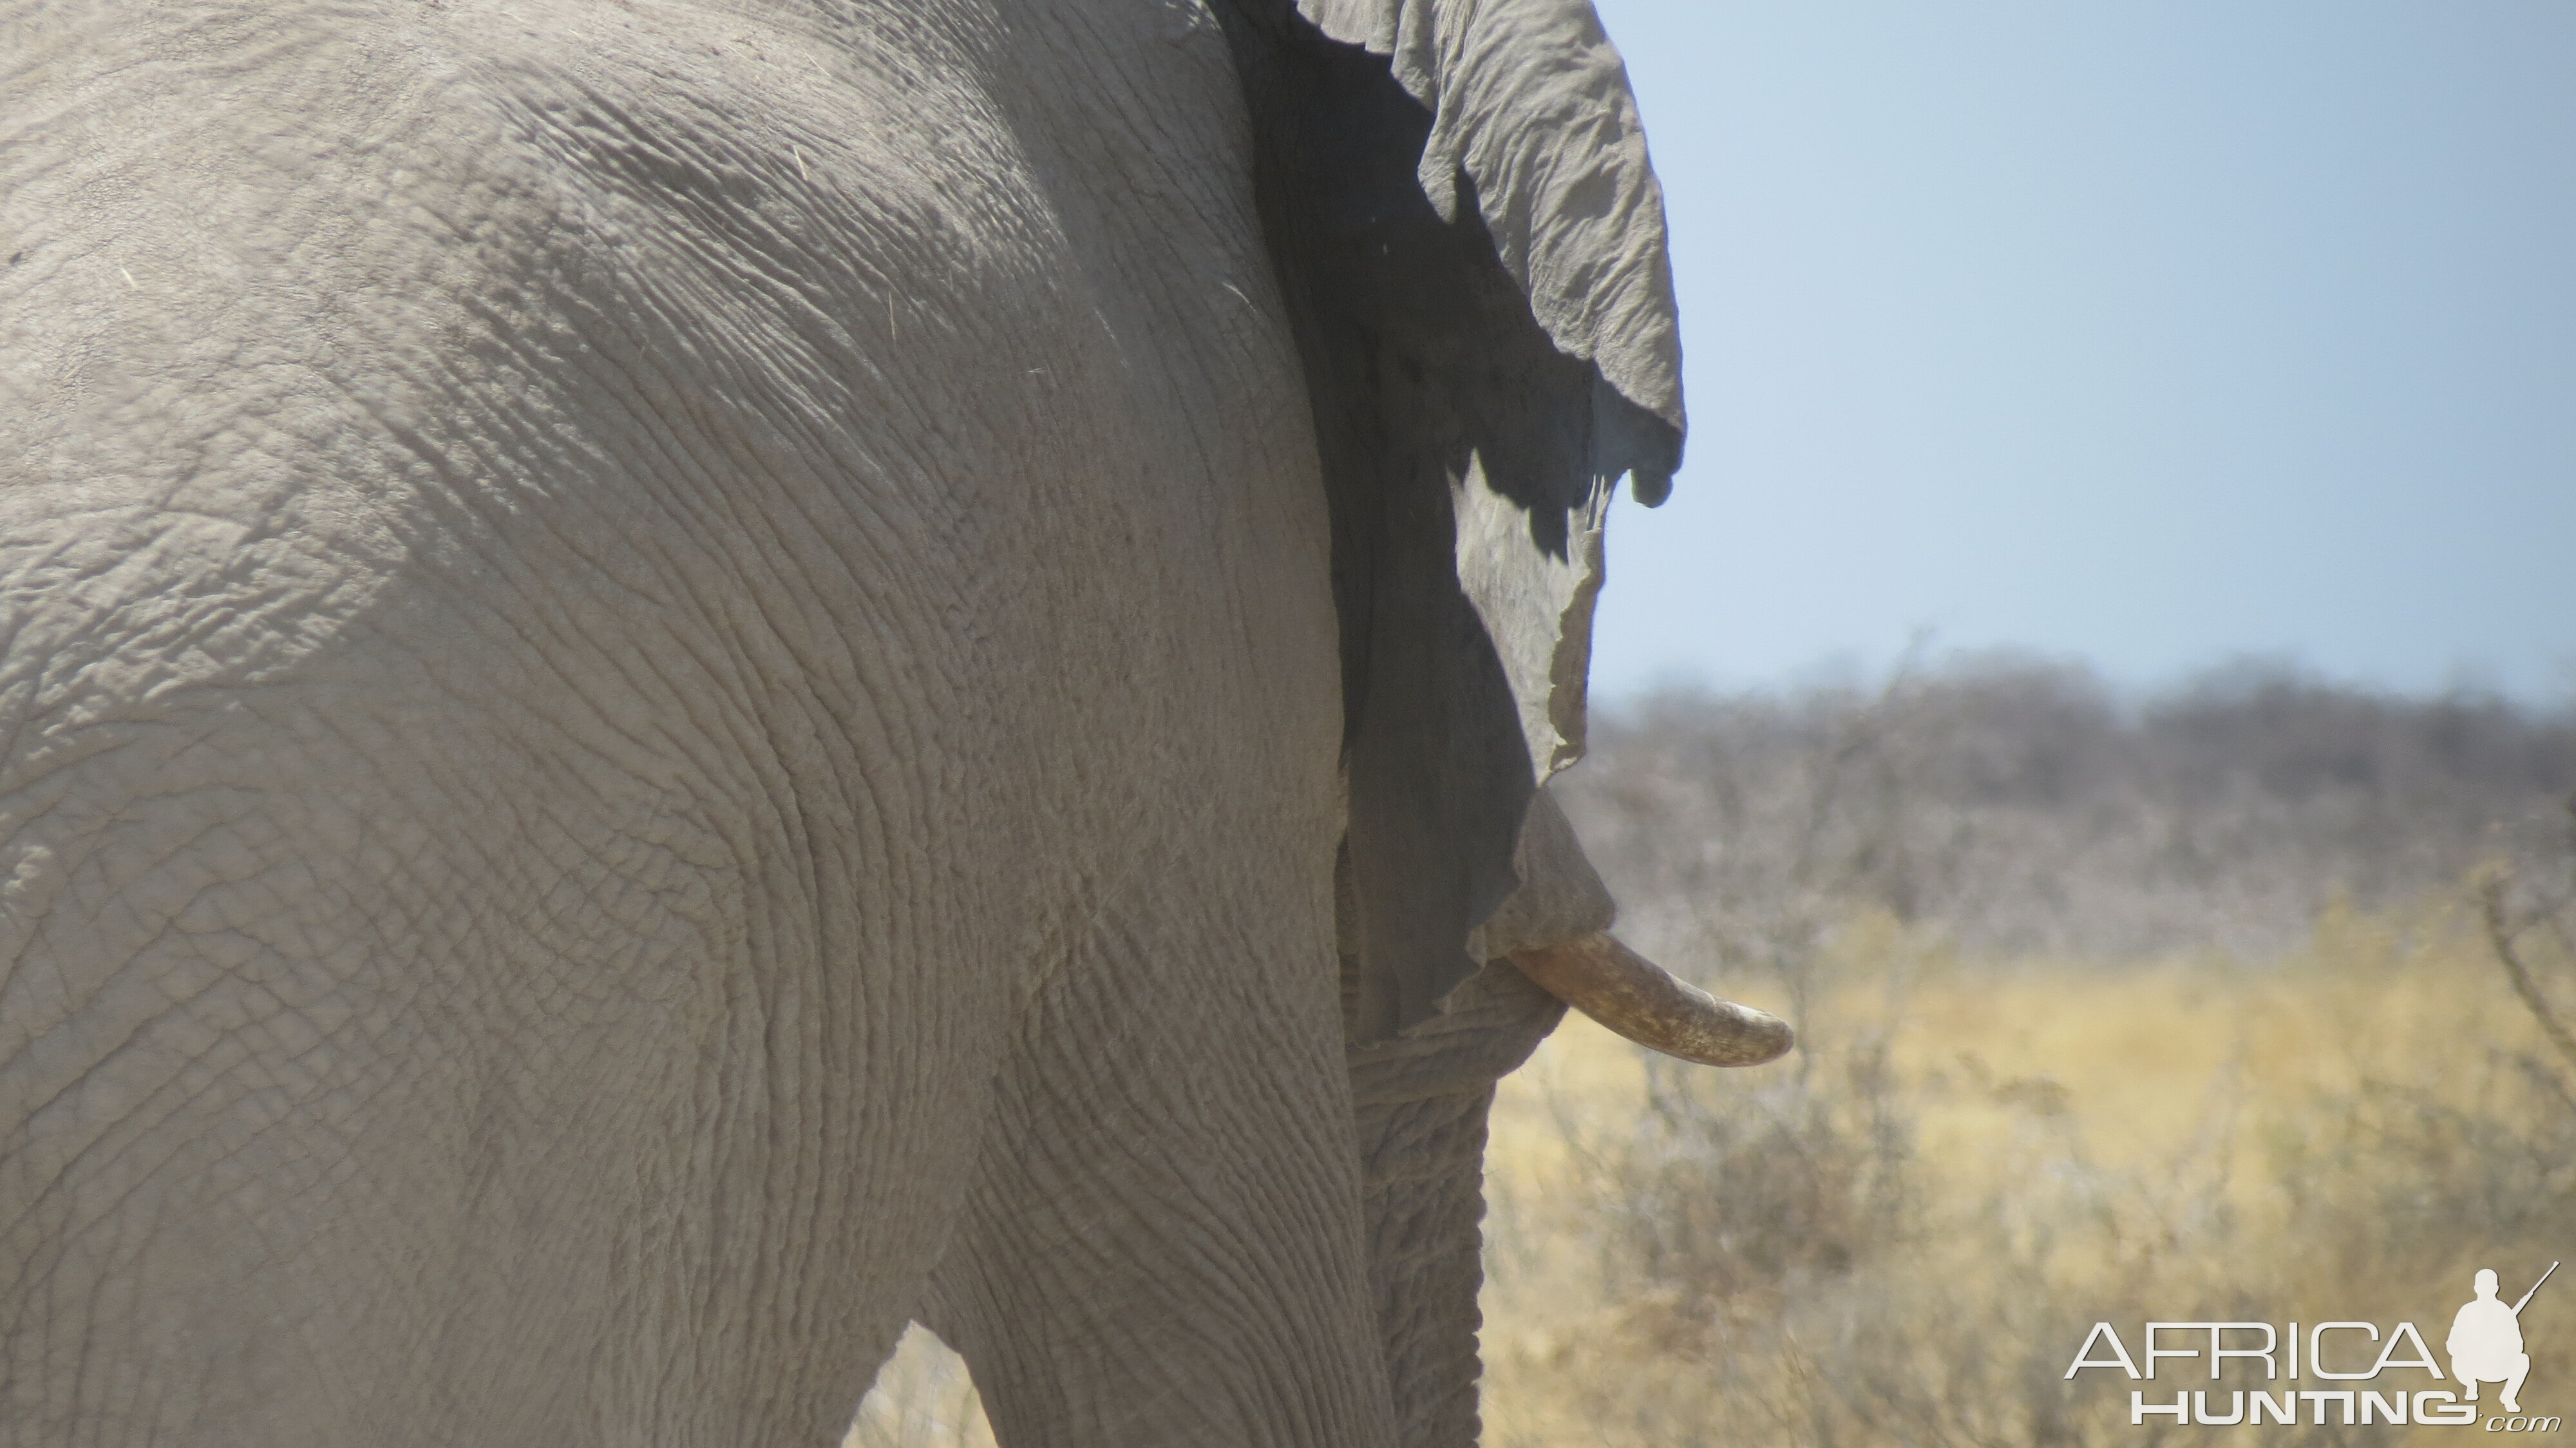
[[683, 679]]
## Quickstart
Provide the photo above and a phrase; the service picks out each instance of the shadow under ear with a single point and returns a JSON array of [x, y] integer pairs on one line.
[[1468, 459], [1468, 452]]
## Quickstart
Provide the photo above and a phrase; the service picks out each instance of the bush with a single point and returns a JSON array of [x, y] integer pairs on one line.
[[2182, 1010], [2179, 1012]]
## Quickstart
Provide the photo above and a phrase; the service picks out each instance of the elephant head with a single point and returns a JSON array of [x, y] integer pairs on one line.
[[668, 691], [1470, 240]]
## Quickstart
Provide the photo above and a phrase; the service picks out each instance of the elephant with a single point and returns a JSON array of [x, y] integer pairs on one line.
[[684, 679]]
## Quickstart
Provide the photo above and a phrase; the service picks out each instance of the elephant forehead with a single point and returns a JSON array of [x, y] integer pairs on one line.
[[1015, 236], [893, 150], [913, 145], [1008, 267], [903, 322], [914, 239]]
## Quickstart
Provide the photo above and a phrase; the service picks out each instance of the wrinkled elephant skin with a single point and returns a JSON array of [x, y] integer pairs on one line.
[[674, 690]]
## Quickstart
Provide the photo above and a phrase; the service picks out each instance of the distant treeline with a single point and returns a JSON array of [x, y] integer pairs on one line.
[[2027, 807]]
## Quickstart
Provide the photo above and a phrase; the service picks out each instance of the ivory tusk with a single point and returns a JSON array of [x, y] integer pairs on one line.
[[1642, 1001]]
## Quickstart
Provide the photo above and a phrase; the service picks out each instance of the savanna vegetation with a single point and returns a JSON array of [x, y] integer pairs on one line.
[[2248, 1002]]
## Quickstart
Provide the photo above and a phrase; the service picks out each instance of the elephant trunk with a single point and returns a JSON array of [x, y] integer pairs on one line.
[[1642, 1001], [1421, 1100]]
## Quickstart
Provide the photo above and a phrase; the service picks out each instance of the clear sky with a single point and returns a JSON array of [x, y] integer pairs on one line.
[[2153, 333]]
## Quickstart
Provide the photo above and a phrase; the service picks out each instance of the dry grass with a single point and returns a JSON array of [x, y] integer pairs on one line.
[[2092, 1031], [1903, 1236], [923, 1398]]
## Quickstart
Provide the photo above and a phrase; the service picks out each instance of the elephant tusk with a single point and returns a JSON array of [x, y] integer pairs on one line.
[[1642, 1001]]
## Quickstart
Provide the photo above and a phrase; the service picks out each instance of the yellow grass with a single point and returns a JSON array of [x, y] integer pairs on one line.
[[1902, 1235], [2174, 1140]]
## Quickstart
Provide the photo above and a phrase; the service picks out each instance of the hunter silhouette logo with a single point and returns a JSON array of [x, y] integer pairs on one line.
[[2486, 1341], [2485, 1346]]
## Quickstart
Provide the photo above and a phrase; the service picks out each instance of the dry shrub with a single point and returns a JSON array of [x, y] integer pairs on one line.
[[2175, 1011], [1907, 1242], [2029, 811], [923, 1398], [1908, 1238]]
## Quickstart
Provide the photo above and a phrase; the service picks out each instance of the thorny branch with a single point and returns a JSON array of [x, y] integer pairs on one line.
[[2502, 933]]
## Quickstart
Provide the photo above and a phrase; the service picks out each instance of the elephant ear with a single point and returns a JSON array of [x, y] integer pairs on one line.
[[1530, 103], [1471, 245]]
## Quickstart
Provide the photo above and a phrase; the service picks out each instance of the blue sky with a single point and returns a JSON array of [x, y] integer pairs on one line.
[[2152, 334]]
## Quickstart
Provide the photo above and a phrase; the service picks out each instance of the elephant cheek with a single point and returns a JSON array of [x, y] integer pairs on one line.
[[1421, 1102]]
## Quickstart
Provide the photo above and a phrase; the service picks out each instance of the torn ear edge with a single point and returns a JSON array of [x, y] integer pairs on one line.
[[1469, 239]]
